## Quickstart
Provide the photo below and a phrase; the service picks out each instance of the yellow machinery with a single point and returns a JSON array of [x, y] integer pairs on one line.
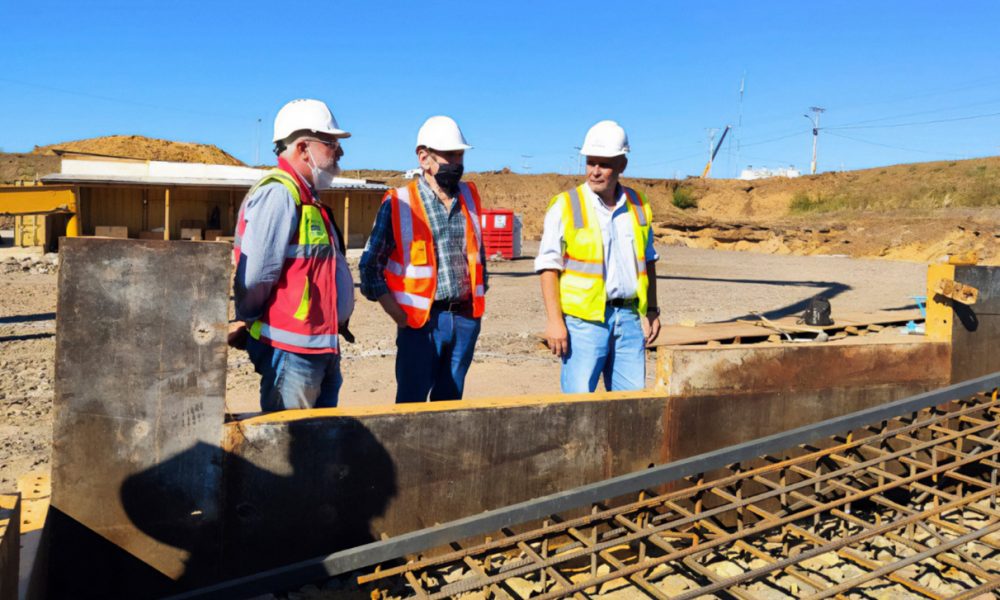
[[35, 206]]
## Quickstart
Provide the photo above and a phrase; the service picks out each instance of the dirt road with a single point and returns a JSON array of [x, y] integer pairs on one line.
[[700, 285]]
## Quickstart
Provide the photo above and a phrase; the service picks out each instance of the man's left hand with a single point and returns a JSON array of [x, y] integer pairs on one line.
[[653, 327], [237, 335]]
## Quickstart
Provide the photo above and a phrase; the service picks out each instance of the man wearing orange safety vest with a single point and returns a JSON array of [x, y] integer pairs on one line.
[[598, 272], [293, 288], [425, 265]]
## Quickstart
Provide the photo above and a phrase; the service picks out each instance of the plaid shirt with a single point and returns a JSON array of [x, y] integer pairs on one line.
[[448, 229]]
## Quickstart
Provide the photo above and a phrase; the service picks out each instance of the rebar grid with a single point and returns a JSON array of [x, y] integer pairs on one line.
[[907, 506]]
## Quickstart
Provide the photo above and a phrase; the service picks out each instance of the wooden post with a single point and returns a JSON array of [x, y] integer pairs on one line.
[[166, 214], [73, 225], [232, 215], [347, 220]]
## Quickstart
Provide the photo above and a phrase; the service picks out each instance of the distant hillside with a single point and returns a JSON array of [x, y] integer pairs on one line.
[[919, 211], [16, 167], [969, 183], [137, 146]]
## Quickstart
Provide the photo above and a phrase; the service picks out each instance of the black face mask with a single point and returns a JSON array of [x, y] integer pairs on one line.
[[448, 176]]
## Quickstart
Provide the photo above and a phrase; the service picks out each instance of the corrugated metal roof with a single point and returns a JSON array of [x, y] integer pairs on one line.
[[69, 178]]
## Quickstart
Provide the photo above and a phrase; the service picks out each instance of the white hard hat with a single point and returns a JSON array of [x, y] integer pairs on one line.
[[606, 139], [441, 133], [306, 114]]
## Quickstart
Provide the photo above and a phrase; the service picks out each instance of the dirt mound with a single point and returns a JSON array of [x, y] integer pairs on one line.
[[15, 167], [137, 146], [918, 212], [894, 235]]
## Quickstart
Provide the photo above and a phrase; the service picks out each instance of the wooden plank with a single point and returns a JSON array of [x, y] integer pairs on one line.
[[674, 334]]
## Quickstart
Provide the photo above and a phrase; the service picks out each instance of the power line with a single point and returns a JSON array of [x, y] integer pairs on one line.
[[125, 101], [968, 118], [770, 160], [933, 152], [783, 137], [922, 112], [671, 160]]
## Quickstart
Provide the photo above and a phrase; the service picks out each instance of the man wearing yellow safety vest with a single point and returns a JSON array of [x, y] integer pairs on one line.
[[425, 265], [293, 288], [598, 275]]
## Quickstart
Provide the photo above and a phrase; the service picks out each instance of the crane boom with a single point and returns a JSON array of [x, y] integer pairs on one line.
[[708, 167]]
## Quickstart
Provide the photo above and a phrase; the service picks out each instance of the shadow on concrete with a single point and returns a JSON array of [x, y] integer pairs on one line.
[[830, 292], [320, 498], [816, 284], [901, 307], [26, 337], [826, 289], [27, 318], [515, 275]]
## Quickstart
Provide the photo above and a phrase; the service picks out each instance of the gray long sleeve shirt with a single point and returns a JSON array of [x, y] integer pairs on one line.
[[271, 223]]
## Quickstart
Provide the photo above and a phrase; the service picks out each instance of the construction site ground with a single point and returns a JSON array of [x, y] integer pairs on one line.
[[694, 285]]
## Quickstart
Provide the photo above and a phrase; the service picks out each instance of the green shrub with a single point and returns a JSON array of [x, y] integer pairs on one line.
[[684, 199], [801, 203]]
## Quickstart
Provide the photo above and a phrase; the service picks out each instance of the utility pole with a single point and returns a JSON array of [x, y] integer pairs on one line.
[[817, 111], [738, 133], [256, 145], [711, 131]]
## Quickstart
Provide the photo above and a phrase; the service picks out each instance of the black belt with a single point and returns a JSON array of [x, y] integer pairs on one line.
[[624, 302], [459, 306]]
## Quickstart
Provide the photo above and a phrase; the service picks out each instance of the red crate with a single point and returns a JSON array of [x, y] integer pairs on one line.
[[498, 232]]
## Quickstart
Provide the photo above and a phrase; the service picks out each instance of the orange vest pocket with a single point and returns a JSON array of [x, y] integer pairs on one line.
[[418, 252]]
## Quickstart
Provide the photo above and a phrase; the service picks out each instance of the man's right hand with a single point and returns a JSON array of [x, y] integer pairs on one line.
[[392, 308], [557, 337]]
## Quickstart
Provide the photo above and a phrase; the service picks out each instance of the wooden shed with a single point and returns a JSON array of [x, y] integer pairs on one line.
[[154, 199]]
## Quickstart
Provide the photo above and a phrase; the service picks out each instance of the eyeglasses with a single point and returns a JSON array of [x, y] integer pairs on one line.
[[331, 145]]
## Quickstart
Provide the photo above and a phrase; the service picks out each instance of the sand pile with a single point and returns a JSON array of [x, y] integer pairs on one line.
[[137, 146]]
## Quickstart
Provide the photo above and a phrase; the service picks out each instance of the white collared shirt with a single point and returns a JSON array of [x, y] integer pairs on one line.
[[620, 280]]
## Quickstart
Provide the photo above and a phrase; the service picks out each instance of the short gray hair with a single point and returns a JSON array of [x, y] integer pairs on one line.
[[282, 146]]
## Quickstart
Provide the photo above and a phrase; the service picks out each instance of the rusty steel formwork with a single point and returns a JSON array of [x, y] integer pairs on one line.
[[905, 507], [898, 500]]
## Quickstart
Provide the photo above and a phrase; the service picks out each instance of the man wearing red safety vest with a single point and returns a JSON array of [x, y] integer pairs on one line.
[[425, 265], [293, 288]]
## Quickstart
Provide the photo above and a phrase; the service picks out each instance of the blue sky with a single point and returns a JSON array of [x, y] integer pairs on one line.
[[907, 81]]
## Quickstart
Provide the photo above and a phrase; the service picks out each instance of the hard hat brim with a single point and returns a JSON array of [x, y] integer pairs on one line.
[[601, 152], [450, 148], [337, 133]]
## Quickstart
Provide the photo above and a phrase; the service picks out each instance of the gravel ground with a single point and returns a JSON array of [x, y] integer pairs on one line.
[[700, 285]]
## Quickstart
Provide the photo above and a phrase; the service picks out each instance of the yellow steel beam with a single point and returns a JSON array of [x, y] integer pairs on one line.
[[939, 314], [285, 416], [41, 200], [36, 492]]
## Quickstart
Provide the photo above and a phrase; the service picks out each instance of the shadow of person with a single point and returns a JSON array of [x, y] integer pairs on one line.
[[339, 479], [288, 491]]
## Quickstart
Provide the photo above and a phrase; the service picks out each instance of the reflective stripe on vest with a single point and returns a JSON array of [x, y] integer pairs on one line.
[[411, 271], [261, 330], [414, 300], [413, 285], [301, 313], [581, 284]]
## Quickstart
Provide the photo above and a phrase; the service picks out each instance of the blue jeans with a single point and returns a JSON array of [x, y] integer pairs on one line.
[[435, 358], [292, 380], [615, 348]]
